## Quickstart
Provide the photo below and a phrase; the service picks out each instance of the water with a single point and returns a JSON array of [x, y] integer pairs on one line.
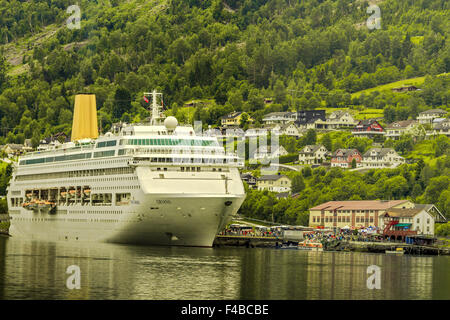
[[37, 270]]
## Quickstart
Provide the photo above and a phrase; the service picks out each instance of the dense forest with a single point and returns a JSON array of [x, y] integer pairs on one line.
[[231, 54], [305, 54]]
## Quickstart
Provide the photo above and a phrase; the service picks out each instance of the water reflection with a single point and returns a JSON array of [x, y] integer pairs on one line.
[[36, 270]]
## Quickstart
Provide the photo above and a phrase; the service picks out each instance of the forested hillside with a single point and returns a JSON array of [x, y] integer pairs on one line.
[[305, 54]]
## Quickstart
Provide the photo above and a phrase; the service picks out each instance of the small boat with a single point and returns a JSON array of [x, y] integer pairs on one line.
[[46, 205], [32, 205], [87, 191], [64, 193], [288, 247], [398, 251], [310, 246]]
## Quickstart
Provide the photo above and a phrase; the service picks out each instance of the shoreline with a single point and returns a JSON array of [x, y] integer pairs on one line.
[[342, 246]]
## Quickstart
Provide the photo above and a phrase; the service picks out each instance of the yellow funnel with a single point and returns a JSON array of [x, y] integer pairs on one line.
[[84, 117]]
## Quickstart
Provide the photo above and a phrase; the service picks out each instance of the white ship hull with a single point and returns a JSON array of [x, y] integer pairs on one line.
[[197, 224]]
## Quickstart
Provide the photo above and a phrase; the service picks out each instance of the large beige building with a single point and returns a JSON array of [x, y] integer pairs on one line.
[[358, 213]]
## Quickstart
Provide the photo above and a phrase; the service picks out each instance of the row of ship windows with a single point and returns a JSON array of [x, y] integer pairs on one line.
[[78, 173], [169, 142], [76, 156], [64, 220]]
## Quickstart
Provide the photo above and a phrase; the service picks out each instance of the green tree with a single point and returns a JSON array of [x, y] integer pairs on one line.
[[298, 184]]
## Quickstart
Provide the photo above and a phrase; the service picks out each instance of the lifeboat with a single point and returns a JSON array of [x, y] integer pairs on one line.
[[46, 205], [64, 194], [32, 205], [72, 193], [87, 191]]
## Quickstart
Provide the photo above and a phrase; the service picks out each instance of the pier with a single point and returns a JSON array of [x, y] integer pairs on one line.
[[381, 247], [246, 241]]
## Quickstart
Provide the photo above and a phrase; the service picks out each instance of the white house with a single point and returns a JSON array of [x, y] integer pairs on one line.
[[381, 158], [279, 117], [442, 127], [313, 154], [337, 119], [289, 129], [429, 115], [411, 127], [421, 218], [267, 152]]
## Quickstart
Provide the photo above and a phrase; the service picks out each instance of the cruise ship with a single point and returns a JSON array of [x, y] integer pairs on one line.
[[157, 183]]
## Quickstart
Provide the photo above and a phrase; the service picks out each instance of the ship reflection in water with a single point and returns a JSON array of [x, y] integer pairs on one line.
[[37, 270]]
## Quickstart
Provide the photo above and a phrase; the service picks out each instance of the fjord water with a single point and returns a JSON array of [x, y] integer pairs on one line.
[[37, 270]]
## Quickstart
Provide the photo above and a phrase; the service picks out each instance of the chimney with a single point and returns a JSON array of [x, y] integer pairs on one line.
[[84, 117]]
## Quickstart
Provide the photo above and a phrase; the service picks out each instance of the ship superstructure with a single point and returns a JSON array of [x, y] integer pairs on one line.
[[158, 183]]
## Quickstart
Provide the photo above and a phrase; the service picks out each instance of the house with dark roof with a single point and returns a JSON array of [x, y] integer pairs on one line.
[[249, 179], [344, 158], [313, 154], [368, 128], [274, 182], [405, 89], [381, 158], [307, 118]]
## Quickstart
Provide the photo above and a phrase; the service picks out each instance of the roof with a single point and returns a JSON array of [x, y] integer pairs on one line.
[[345, 152], [359, 205], [313, 148], [271, 177], [15, 146], [381, 152], [232, 115], [400, 124], [404, 212], [434, 111], [279, 114]]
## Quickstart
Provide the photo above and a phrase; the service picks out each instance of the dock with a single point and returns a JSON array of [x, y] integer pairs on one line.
[[381, 247], [247, 241]]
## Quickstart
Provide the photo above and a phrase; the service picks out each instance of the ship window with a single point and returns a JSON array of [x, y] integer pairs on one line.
[[111, 143]]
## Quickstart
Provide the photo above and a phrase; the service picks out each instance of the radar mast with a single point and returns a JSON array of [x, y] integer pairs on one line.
[[156, 114]]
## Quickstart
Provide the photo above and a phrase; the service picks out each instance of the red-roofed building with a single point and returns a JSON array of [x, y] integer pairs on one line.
[[358, 213]]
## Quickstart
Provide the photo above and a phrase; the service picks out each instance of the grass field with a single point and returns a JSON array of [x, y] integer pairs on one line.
[[365, 113], [389, 86]]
